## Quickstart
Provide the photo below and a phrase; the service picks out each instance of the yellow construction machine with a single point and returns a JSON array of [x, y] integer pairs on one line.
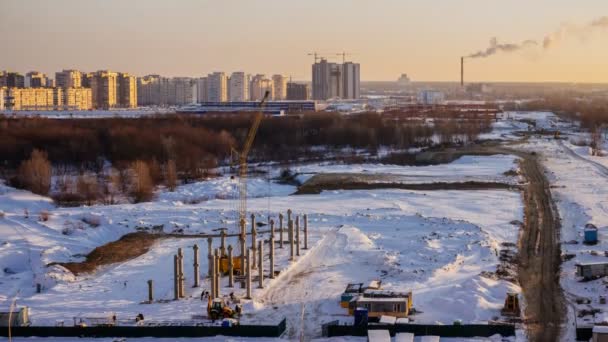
[[236, 265], [217, 309]]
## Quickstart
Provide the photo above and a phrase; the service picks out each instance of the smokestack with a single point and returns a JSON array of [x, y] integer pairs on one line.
[[462, 71]]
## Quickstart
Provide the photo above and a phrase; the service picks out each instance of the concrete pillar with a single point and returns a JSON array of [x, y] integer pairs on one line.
[[248, 272], [291, 246], [212, 279], [289, 215], [261, 264], [305, 231], [297, 235], [230, 267], [175, 277], [280, 230], [196, 266], [254, 238], [271, 255], [150, 291], [218, 274], [272, 229], [180, 255], [210, 256], [223, 243]]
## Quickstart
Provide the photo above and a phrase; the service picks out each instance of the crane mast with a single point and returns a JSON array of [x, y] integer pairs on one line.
[[242, 185]]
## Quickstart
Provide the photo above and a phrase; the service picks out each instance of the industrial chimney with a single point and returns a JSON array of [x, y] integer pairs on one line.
[[462, 71]]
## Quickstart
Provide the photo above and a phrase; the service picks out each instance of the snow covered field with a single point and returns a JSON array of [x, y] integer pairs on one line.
[[435, 243]]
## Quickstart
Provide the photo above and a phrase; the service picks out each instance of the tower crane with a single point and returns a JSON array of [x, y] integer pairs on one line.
[[344, 54], [242, 159]]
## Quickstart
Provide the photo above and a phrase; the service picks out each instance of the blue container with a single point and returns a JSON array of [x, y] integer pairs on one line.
[[360, 316], [590, 236]]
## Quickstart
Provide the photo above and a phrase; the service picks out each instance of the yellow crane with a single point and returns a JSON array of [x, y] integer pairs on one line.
[[242, 159]]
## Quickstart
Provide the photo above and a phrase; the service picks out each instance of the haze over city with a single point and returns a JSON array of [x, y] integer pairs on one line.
[[313, 170], [422, 38]]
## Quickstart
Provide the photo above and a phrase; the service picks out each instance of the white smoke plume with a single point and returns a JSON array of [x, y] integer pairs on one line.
[[496, 47], [574, 30]]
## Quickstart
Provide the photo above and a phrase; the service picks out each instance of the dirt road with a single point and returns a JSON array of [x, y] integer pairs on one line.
[[539, 255]]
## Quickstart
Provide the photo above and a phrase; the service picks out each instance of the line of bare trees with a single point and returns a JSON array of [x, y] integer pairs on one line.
[[100, 160]]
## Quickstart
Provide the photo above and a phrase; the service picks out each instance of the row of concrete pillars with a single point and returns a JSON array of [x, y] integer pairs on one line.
[[250, 258]]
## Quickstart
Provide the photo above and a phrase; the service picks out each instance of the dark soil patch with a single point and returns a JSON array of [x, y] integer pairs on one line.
[[330, 182], [127, 247]]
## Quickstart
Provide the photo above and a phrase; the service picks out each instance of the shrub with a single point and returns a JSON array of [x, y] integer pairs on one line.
[[44, 216]]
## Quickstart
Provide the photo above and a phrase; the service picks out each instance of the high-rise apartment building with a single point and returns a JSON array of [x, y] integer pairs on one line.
[[260, 84], [182, 90], [11, 79], [297, 91], [332, 80], [279, 84], [201, 89], [77, 98], [69, 79], [217, 87], [35, 98], [35, 79], [148, 90], [3, 95], [127, 91], [104, 85], [351, 80], [238, 87]]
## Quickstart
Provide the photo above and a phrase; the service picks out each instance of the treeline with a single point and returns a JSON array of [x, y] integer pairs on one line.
[[591, 112], [112, 157]]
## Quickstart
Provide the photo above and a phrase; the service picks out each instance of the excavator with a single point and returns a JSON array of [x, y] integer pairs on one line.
[[217, 309]]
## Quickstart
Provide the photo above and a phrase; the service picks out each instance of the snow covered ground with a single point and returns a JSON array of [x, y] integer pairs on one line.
[[466, 168], [434, 243]]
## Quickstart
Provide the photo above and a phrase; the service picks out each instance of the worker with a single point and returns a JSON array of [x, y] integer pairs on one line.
[[203, 295], [232, 296], [139, 317], [238, 310]]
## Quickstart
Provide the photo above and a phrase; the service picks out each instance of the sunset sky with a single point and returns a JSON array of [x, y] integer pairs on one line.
[[194, 37]]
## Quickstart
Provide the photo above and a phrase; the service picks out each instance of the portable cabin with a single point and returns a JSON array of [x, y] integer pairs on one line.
[[361, 316], [600, 333], [18, 318], [378, 336], [376, 307], [590, 234], [390, 294], [592, 269], [352, 290]]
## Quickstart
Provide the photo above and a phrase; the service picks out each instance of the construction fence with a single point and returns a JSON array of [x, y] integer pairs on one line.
[[470, 330], [173, 331]]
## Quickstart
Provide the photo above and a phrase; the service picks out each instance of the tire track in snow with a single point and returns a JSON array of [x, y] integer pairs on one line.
[[293, 290]]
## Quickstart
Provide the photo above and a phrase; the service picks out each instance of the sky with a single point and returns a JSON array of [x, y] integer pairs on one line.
[[422, 38]]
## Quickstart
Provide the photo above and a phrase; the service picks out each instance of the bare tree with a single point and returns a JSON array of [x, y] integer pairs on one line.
[[171, 175], [141, 182], [88, 188], [35, 173]]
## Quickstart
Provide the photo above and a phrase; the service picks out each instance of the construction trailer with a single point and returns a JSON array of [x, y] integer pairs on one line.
[[19, 317], [377, 307], [236, 265], [354, 289], [592, 270]]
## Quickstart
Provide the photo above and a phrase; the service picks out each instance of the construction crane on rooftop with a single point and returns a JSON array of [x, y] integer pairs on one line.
[[344, 54], [242, 159]]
